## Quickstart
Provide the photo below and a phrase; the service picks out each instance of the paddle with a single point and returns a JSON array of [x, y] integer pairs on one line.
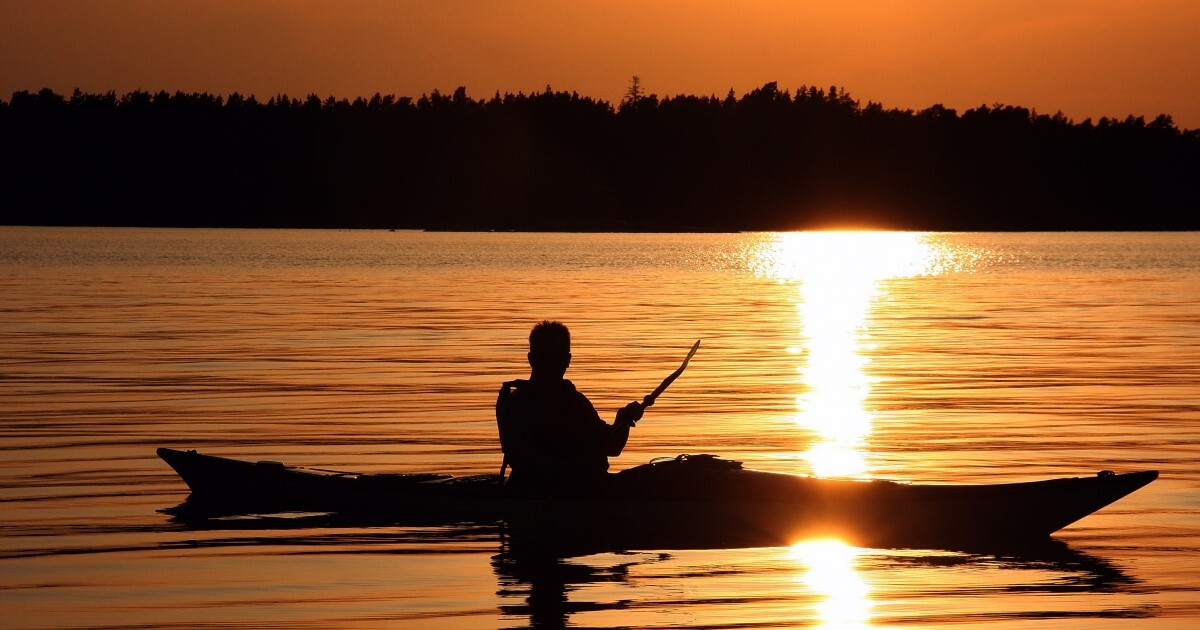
[[649, 400]]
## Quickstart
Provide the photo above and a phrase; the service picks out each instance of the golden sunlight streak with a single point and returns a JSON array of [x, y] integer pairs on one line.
[[839, 275], [830, 573]]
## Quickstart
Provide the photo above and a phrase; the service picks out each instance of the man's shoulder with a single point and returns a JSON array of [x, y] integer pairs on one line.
[[533, 388], [529, 391], [524, 391], [570, 391]]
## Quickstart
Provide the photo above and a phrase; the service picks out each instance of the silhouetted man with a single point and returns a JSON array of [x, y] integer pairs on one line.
[[551, 434]]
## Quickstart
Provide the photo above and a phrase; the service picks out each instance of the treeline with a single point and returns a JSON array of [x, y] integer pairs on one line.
[[769, 159]]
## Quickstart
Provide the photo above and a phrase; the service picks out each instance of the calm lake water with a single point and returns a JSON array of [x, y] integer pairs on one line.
[[937, 358]]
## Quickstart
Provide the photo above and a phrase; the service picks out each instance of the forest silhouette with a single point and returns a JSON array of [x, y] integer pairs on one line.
[[769, 159]]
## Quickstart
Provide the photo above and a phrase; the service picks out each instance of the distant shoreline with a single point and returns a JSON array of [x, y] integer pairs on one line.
[[771, 159]]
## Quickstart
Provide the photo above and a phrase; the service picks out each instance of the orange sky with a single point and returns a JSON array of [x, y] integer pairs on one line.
[[1084, 57]]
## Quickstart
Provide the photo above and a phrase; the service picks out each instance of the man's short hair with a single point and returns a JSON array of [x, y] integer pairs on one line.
[[549, 336]]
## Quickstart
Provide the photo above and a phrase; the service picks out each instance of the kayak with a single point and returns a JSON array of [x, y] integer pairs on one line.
[[672, 496]]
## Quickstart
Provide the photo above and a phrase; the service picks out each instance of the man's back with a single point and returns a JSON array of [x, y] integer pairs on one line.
[[550, 430]]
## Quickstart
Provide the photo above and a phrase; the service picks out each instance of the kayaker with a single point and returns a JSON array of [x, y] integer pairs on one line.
[[550, 433]]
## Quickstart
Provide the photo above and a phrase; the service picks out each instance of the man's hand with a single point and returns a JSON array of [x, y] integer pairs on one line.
[[629, 415]]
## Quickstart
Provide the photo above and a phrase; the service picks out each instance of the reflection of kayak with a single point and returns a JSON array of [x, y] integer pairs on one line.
[[667, 496]]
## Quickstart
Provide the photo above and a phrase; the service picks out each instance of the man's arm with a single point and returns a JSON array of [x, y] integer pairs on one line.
[[618, 435]]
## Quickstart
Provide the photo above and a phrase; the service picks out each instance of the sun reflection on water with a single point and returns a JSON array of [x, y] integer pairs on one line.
[[829, 572], [839, 274]]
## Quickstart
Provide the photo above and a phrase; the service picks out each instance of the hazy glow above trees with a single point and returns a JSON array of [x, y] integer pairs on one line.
[[1088, 58]]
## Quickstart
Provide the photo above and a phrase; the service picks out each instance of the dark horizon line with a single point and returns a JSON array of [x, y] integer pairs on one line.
[[460, 92], [598, 231]]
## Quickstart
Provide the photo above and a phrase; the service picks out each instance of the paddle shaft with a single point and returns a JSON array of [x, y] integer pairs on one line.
[[649, 400]]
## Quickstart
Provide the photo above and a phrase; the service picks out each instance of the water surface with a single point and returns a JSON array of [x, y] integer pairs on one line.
[[938, 358]]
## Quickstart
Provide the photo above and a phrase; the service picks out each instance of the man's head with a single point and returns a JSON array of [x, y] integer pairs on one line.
[[549, 349]]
